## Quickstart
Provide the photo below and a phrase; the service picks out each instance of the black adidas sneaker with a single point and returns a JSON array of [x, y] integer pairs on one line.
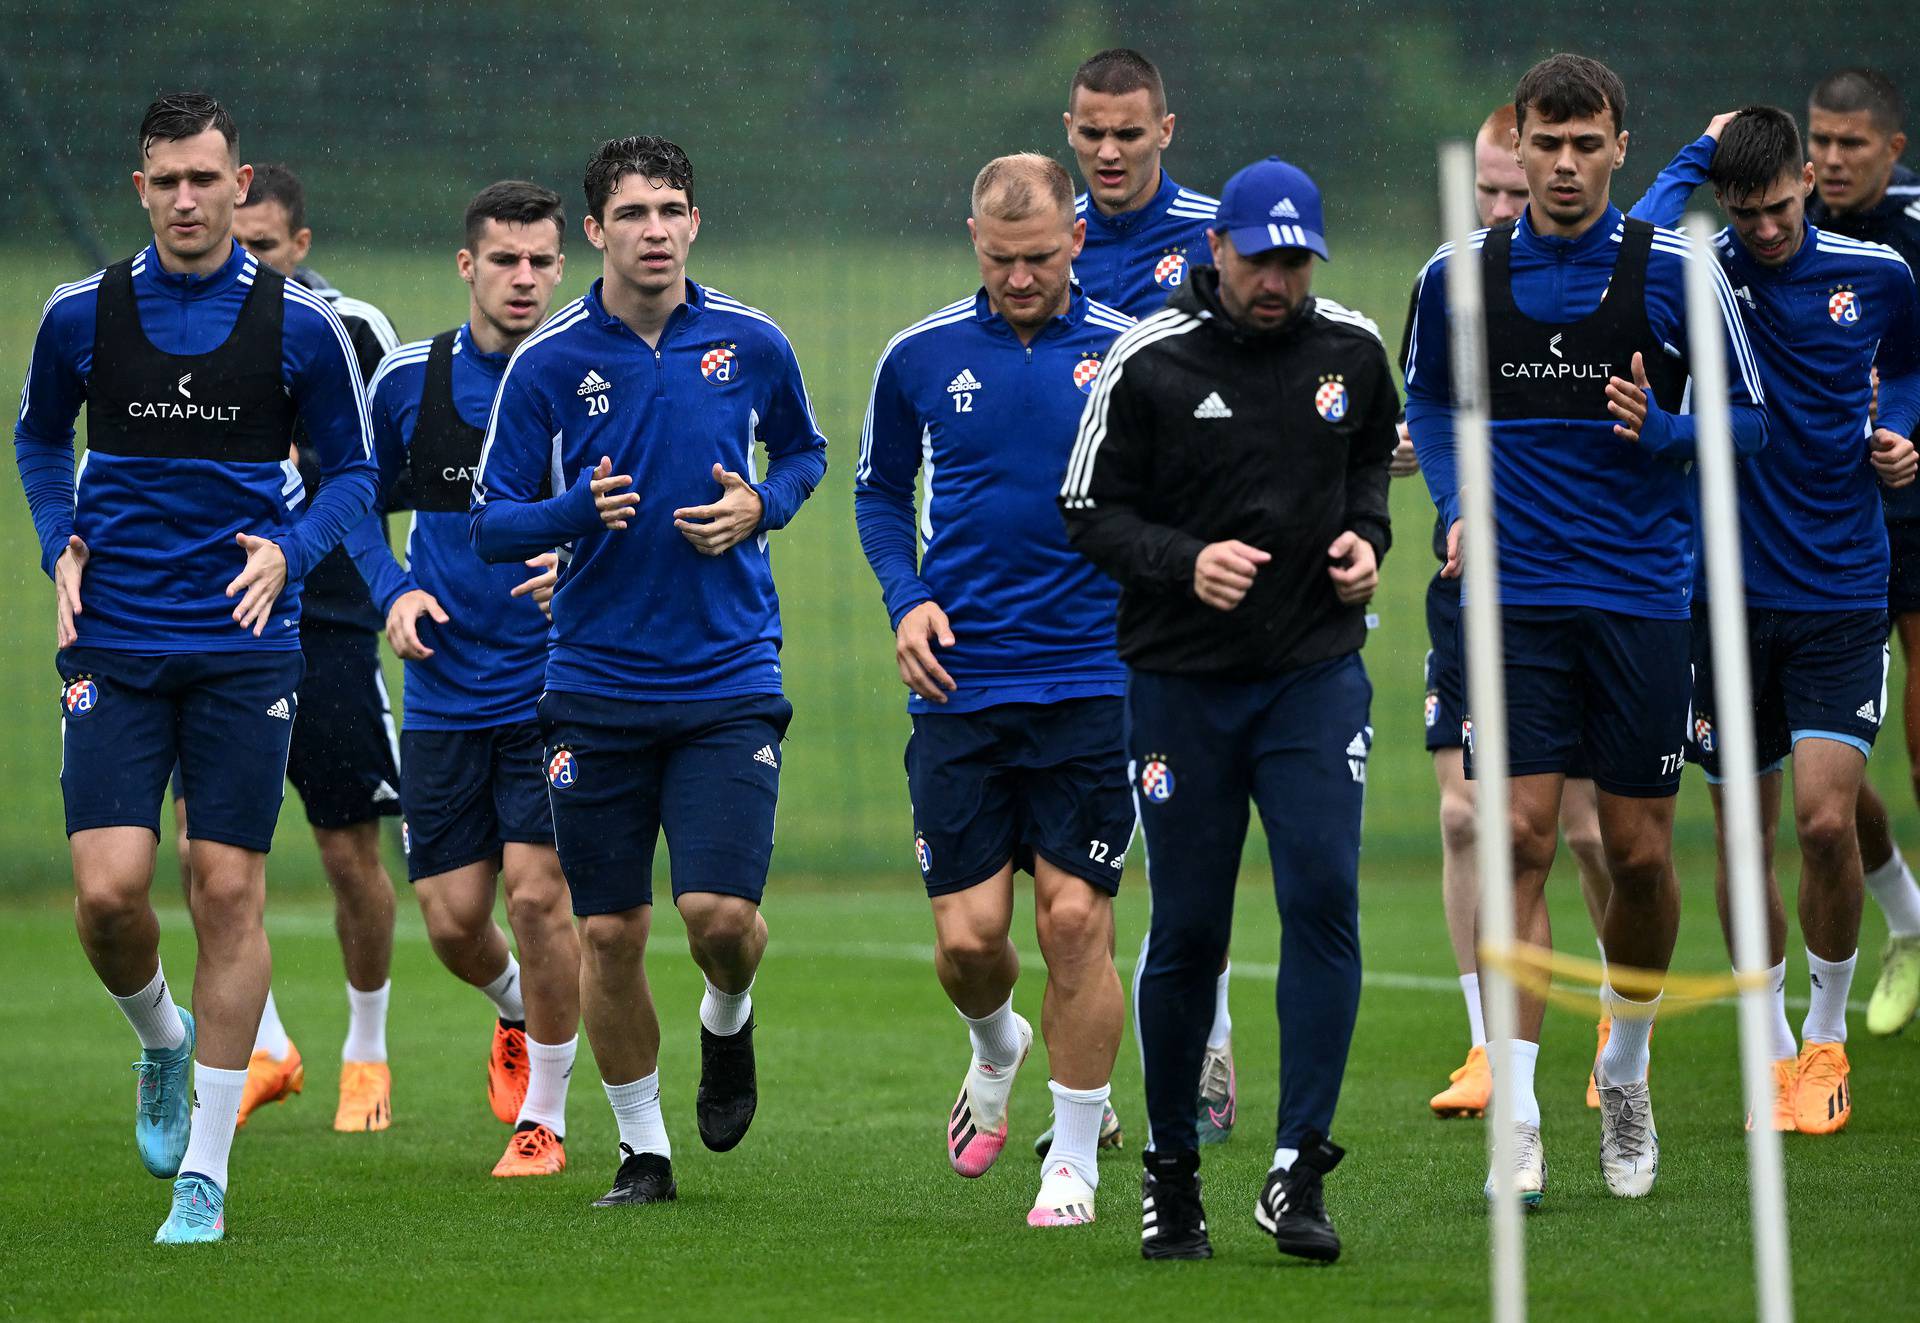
[[1172, 1223], [1292, 1208], [729, 1090], [643, 1178]]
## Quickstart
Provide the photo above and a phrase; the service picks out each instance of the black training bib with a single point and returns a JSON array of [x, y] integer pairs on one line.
[[445, 452]]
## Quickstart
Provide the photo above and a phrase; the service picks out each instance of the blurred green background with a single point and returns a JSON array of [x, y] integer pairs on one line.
[[833, 150]]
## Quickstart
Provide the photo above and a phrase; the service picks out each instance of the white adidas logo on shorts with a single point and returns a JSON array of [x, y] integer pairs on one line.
[[281, 710], [766, 756], [1212, 407]]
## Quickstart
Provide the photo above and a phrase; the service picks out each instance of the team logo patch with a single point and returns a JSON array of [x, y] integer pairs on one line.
[[1170, 272], [924, 853], [718, 364], [1085, 371], [1433, 710], [1466, 732], [1703, 734], [563, 769], [1156, 781], [80, 696], [1330, 401], [1843, 306]]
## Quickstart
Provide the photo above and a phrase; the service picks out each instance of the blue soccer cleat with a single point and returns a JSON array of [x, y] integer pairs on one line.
[[165, 1104], [198, 1216]]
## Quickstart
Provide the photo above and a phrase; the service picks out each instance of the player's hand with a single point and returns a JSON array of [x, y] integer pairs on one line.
[[1627, 401], [1405, 463], [1223, 572], [614, 505], [403, 623], [1355, 570], [718, 528], [1719, 122], [913, 643], [1894, 458], [1451, 570], [67, 572], [541, 585], [259, 581]]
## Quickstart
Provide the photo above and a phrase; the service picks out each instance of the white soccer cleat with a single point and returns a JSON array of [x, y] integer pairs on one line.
[[977, 1125], [1629, 1144], [1064, 1200], [1529, 1165]]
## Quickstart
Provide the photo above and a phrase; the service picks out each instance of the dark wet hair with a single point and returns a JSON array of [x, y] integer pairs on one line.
[[1850, 91], [1563, 87], [278, 183], [1758, 145], [655, 159], [1117, 72], [180, 115], [513, 202]]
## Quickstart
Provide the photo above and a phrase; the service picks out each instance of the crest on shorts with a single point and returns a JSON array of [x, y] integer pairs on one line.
[[1703, 734], [1085, 371], [1170, 271], [1843, 305], [1466, 733], [718, 364], [563, 769], [924, 853], [1330, 401], [1433, 710], [1156, 779], [79, 696]]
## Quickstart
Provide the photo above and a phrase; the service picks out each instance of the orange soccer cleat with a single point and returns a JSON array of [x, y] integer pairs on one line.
[[534, 1151], [366, 1096], [1470, 1091], [1786, 1073], [270, 1081], [507, 1071], [1822, 1096], [1602, 1032]]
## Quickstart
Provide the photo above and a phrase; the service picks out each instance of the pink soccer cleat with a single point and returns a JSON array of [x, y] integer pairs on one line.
[[977, 1126]]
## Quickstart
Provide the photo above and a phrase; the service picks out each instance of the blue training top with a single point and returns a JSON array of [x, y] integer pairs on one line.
[[1583, 517], [490, 657], [1812, 534], [639, 614], [160, 528], [1135, 260], [989, 423]]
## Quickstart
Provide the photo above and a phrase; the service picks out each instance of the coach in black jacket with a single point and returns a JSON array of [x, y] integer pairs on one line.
[[1231, 475]]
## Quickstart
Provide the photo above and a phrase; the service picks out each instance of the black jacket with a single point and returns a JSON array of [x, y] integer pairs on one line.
[[1292, 452]]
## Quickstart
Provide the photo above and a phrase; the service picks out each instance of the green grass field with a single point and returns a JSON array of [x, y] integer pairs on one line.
[[840, 1203]]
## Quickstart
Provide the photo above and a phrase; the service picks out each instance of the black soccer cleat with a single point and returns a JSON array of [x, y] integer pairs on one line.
[[1172, 1223], [1292, 1208], [643, 1178], [729, 1091]]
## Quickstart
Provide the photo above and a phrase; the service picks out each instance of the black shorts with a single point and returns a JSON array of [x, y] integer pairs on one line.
[[1018, 780], [226, 718], [1446, 711], [620, 772], [345, 762], [468, 792], [1903, 580], [1815, 674], [1585, 683]]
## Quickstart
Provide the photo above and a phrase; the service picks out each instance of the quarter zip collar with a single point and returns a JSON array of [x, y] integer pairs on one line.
[[494, 365], [186, 286], [694, 307], [1553, 248], [1788, 270], [1062, 324], [1126, 221]]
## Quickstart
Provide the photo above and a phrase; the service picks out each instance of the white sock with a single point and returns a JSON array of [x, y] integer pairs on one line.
[[1780, 1032], [549, 1071], [216, 1108], [154, 1017], [1826, 1020], [1476, 1018], [504, 993], [1076, 1129], [726, 1013], [1525, 1057], [1624, 1059], [1222, 1030], [1894, 891], [1283, 1159], [996, 1038], [636, 1109], [367, 1023], [271, 1036]]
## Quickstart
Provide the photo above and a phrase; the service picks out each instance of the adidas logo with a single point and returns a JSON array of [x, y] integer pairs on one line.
[[385, 794], [965, 381], [1213, 407], [1866, 713], [281, 709], [592, 384], [1285, 210], [1357, 746], [766, 756]]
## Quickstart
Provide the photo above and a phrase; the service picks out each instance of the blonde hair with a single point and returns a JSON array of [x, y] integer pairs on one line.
[[1018, 187]]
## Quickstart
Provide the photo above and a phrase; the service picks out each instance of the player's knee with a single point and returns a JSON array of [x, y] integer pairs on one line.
[[1533, 845], [1638, 868], [105, 907], [719, 923], [536, 908], [1075, 924], [610, 941], [971, 948], [452, 926], [1583, 838], [1827, 831], [1458, 826], [226, 900]]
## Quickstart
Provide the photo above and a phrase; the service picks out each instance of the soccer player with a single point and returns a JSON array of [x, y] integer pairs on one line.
[[176, 556], [1144, 234], [1231, 474], [1004, 635], [343, 762], [1500, 194], [475, 653], [1824, 312], [1595, 548], [624, 431], [1855, 126]]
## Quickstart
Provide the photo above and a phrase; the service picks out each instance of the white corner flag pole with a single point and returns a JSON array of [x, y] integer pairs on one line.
[[1487, 702], [1740, 810]]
